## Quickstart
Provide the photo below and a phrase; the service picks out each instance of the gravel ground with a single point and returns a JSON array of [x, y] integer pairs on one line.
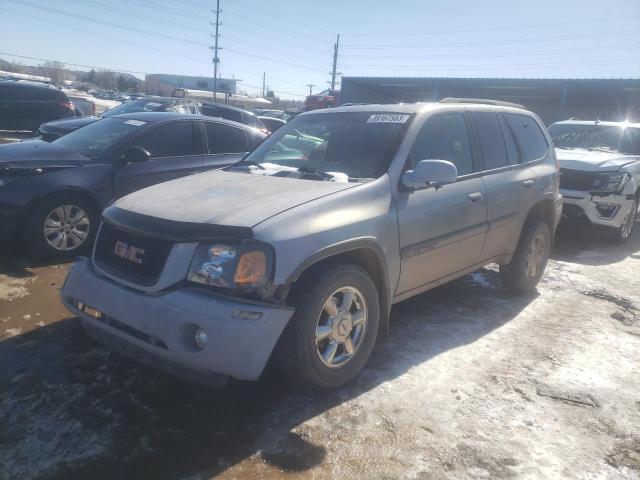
[[472, 382]]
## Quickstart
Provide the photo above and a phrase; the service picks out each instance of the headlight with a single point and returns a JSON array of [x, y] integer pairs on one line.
[[242, 265], [609, 182]]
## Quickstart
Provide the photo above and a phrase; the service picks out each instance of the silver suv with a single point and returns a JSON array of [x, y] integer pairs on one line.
[[301, 249]]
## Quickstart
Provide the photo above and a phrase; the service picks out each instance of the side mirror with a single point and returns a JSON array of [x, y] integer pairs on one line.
[[430, 173], [136, 154]]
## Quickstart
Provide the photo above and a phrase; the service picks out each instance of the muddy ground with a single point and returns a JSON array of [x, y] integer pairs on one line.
[[472, 382]]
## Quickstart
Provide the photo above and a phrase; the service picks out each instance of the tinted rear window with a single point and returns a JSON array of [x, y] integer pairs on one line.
[[225, 138], [135, 106], [494, 152], [225, 113], [531, 140]]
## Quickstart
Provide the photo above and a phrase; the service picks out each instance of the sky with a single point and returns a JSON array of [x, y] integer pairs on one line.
[[292, 41]]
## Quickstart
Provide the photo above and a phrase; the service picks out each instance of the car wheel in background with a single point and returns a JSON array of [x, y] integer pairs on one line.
[[61, 225], [623, 233], [334, 328], [529, 261]]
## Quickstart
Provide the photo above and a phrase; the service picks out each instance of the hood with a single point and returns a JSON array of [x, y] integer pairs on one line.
[[67, 125], [38, 154], [592, 161], [226, 198]]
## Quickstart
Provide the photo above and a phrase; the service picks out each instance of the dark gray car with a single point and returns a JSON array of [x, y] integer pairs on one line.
[[51, 194], [301, 249]]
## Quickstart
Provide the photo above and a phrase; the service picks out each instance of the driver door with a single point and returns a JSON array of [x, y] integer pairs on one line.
[[176, 151], [442, 231]]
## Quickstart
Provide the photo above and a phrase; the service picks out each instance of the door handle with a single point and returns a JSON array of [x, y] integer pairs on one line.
[[475, 197], [528, 183]]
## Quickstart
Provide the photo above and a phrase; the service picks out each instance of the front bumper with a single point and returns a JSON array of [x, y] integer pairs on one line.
[[600, 210], [158, 328], [11, 217]]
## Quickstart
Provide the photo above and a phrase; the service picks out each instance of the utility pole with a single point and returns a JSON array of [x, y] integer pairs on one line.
[[310, 85], [264, 83], [215, 48], [335, 62]]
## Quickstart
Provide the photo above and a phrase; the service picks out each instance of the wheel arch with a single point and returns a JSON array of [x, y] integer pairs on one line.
[[62, 191], [544, 210], [364, 252]]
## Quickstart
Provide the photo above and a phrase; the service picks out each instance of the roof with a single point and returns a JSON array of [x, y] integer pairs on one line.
[[491, 79], [598, 122], [405, 107], [28, 83], [154, 117]]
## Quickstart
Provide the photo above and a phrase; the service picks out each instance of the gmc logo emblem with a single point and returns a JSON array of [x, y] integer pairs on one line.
[[128, 252]]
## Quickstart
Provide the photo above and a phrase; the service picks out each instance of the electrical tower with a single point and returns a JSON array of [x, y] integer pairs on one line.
[[215, 48]]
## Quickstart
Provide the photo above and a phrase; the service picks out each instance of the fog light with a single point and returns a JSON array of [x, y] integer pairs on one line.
[[200, 339], [606, 210]]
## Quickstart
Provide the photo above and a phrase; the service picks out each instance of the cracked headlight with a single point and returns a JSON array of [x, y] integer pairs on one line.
[[230, 265], [609, 182]]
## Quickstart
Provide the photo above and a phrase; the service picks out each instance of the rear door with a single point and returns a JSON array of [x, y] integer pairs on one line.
[[442, 231], [502, 182], [226, 144], [176, 150], [6, 105]]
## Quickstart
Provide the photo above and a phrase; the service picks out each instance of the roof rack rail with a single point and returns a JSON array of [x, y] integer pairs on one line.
[[482, 101]]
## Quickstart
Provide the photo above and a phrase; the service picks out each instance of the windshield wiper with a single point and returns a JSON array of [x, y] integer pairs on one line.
[[244, 161], [313, 171]]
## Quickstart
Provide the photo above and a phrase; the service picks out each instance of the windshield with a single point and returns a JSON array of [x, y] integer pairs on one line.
[[143, 105], [96, 138], [353, 145], [615, 139]]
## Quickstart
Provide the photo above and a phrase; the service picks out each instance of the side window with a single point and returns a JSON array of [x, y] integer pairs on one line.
[[533, 144], [512, 148], [173, 140], [494, 151], [445, 137], [225, 138]]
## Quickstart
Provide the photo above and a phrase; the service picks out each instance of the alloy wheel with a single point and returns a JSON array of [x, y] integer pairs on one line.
[[341, 326], [66, 227], [535, 255]]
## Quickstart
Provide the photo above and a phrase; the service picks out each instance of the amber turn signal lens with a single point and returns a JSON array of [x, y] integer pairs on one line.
[[252, 269]]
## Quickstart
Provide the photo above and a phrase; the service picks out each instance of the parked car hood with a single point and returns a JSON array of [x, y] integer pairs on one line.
[[39, 154], [592, 160], [67, 125], [226, 198]]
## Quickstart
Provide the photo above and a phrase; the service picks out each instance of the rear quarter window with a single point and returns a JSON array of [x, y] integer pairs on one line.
[[528, 135]]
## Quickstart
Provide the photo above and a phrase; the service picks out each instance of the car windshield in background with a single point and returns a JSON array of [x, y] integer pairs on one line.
[[350, 145], [134, 107], [96, 138], [606, 138]]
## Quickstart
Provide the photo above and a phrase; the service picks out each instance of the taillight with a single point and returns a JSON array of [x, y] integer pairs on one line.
[[67, 105]]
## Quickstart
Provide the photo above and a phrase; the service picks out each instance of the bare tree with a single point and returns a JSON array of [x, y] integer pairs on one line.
[[56, 71]]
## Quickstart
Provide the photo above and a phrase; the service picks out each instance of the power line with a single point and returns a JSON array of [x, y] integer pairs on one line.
[[494, 29]]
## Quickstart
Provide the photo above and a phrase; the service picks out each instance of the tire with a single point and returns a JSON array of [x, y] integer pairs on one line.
[[77, 235], [529, 261], [304, 349], [624, 232]]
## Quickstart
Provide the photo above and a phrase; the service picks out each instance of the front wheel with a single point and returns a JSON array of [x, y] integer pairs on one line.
[[334, 328], [62, 225], [622, 233], [529, 261]]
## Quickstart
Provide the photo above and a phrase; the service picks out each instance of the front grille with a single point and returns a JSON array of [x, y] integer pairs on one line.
[[576, 179], [131, 256]]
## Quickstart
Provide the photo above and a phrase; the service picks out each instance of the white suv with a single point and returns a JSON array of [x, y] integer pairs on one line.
[[600, 173]]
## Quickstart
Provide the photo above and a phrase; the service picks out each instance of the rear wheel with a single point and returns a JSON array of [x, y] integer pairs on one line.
[[623, 233], [334, 328], [61, 225], [529, 261]]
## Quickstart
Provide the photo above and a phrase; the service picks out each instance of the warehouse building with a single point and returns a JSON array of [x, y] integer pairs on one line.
[[551, 99], [164, 84]]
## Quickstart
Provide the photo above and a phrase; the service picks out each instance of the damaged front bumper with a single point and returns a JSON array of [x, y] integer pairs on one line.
[[159, 329], [604, 210]]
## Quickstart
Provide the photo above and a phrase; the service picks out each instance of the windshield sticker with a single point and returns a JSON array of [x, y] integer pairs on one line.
[[388, 118], [135, 123], [153, 104]]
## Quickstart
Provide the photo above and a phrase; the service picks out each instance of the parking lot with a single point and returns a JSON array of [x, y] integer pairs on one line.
[[471, 382]]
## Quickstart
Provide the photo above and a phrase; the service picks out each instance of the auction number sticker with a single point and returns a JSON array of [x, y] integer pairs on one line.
[[135, 123], [388, 118]]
